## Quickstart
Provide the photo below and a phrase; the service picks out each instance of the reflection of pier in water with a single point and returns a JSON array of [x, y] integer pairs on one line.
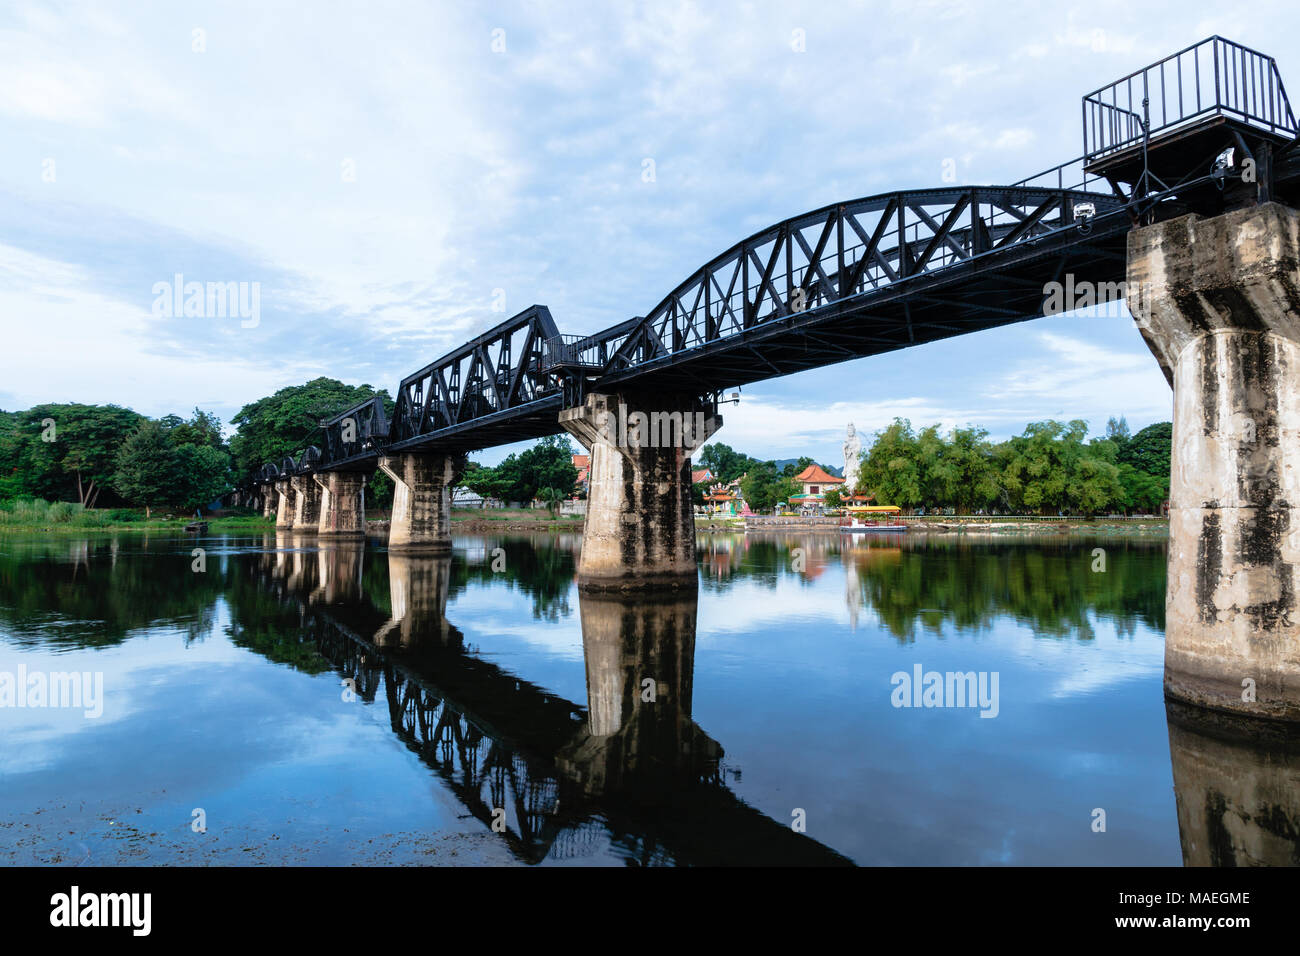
[[558, 776], [1237, 786]]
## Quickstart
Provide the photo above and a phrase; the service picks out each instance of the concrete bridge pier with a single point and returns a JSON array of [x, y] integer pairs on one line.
[[342, 506], [639, 532], [268, 501], [1218, 302], [306, 504], [421, 500], [283, 505]]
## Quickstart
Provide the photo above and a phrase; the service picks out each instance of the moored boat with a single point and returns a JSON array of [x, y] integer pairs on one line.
[[867, 519]]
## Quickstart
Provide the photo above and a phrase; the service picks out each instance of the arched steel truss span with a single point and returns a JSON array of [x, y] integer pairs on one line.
[[845, 281]]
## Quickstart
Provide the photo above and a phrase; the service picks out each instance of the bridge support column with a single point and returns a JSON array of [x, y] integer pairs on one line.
[[306, 504], [342, 508], [639, 531], [1218, 302], [283, 505], [421, 500], [268, 501]]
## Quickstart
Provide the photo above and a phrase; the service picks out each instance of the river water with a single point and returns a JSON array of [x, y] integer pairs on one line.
[[279, 699]]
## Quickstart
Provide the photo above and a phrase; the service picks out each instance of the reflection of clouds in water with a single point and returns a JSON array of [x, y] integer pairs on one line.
[[745, 605], [1094, 665], [483, 613], [34, 736]]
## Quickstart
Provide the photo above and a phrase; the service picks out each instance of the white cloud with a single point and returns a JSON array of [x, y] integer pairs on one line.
[[521, 171], [1073, 372], [67, 341], [789, 429]]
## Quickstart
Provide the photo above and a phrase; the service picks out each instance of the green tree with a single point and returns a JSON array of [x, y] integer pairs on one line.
[[548, 464], [1142, 491], [726, 463], [202, 473], [63, 452], [285, 423], [146, 466], [797, 467], [1049, 468], [552, 498], [484, 481], [1117, 431], [976, 483], [203, 429], [698, 490], [1150, 449], [891, 467], [765, 489]]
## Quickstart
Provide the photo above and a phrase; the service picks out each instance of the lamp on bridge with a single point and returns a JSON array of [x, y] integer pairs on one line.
[[1083, 214]]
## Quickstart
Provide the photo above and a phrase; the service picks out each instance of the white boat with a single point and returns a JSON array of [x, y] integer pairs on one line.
[[869, 519]]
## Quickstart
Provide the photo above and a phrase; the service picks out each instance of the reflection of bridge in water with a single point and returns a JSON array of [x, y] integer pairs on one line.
[[555, 780]]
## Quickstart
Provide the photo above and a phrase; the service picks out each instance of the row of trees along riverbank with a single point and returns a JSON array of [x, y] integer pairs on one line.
[[61, 462], [1051, 467], [106, 456]]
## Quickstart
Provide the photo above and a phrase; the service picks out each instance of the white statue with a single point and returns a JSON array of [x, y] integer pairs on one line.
[[852, 448]]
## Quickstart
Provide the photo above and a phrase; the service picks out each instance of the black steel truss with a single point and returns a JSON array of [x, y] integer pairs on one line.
[[852, 279]]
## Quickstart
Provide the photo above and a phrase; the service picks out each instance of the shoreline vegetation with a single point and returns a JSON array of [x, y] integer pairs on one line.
[[28, 515], [67, 517], [964, 524], [38, 515]]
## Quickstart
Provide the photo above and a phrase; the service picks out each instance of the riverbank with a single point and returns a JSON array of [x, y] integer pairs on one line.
[[496, 520], [70, 521], [91, 525], [942, 525]]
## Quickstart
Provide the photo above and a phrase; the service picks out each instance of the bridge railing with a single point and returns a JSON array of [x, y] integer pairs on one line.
[[1213, 77], [1071, 175], [562, 352]]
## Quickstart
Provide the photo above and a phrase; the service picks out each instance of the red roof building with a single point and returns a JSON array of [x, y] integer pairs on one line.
[[583, 464], [816, 480]]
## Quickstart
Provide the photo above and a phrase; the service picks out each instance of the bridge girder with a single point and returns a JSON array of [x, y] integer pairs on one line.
[[841, 282]]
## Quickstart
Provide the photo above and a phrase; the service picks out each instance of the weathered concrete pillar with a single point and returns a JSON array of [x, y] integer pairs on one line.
[[1218, 302], [306, 504], [639, 532], [283, 505], [421, 500], [268, 501], [342, 510]]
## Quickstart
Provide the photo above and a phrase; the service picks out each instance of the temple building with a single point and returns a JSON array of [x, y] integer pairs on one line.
[[816, 482]]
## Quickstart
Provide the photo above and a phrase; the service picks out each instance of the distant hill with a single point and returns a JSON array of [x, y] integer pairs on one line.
[[836, 470]]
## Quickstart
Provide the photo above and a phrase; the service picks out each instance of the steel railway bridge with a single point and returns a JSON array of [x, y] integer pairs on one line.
[[866, 276], [1186, 193]]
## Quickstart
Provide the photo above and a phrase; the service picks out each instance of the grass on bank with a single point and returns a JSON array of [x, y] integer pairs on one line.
[[517, 515], [36, 514]]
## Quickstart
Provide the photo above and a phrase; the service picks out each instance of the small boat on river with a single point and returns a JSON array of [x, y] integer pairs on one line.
[[870, 519]]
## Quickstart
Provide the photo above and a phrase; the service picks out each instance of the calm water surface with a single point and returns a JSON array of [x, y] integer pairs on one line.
[[304, 702]]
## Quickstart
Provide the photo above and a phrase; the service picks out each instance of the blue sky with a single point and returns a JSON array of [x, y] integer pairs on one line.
[[380, 170]]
